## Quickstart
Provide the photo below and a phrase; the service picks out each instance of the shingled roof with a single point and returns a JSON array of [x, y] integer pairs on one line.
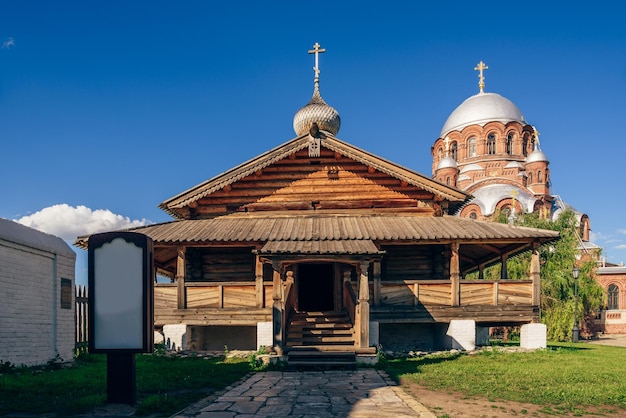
[[243, 227]]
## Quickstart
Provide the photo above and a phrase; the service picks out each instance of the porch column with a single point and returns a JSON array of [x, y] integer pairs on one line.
[[455, 284], [481, 271], [535, 270], [277, 307], [180, 277], [377, 283], [363, 308], [259, 288], [504, 274]]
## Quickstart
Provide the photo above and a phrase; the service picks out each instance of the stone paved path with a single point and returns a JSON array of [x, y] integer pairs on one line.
[[355, 394]]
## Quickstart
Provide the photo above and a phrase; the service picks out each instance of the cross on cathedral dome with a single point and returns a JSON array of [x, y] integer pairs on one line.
[[482, 108], [316, 112]]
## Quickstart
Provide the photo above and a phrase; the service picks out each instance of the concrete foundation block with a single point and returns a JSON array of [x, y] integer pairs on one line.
[[533, 336], [175, 336], [461, 334], [264, 335]]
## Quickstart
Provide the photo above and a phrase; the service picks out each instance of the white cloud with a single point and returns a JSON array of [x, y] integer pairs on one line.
[[620, 247], [69, 222], [8, 43]]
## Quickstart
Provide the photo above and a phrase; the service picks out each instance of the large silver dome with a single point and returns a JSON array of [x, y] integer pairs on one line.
[[481, 109], [316, 111]]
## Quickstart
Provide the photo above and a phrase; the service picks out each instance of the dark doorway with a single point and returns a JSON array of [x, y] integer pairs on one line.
[[315, 287]]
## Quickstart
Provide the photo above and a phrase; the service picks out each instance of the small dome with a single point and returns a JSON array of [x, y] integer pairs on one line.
[[316, 111], [481, 109], [536, 156], [514, 164], [471, 167], [447, 162]]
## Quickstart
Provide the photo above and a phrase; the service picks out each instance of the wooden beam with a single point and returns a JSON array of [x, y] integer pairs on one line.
[[363, 308], [455, 274], [260, 291], [535, 273], [180, 277], [504, 273]]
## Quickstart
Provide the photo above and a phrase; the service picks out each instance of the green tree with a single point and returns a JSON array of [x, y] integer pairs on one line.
[[557, 283]]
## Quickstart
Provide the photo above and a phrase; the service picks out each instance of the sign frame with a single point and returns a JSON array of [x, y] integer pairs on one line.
[[121, 278]]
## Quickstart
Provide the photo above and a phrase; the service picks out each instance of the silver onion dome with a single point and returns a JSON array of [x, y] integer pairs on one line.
[[316, 111]]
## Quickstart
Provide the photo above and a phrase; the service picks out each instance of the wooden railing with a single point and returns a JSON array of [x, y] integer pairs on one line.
[[439, 292], [221, 295]]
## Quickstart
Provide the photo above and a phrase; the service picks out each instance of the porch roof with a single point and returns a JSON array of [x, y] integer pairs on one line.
[[304, 226]]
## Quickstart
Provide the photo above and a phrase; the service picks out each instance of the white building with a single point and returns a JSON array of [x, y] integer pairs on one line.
[[36, 296]]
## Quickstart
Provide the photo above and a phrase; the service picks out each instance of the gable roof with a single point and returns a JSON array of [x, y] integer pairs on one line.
[[268, 158]]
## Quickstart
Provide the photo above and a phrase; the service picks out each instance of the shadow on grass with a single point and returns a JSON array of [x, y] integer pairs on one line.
[[397, 367]]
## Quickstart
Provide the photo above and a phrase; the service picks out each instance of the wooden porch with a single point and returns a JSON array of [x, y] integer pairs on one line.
[[425, 301]]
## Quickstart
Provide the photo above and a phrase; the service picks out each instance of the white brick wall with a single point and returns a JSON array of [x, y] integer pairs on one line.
[[33, 327]]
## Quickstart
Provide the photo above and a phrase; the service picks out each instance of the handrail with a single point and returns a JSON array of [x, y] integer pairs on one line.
[[349, 300]]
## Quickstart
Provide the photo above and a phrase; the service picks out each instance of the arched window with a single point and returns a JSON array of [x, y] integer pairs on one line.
[[439, 154], [509, 143], [613, 297], [473, 215], [471, 147], [491, 144], [530, 178], [448, 181], [525, 145], [539, 177], [454, 148]]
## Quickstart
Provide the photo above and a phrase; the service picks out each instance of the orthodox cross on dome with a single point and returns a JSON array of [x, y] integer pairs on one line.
[[317, 50], [481, 78], [536, 135]]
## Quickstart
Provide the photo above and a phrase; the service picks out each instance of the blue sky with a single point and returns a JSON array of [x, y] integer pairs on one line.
[[109, 108]]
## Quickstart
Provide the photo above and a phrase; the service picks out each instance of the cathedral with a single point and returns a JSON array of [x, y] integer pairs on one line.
[[487, 149]]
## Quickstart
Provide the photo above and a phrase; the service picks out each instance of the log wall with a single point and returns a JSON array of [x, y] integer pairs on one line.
[[220, 264], [414, 262], [329, 182]]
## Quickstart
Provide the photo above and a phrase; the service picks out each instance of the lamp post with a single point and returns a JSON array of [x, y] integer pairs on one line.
[[575, 330]]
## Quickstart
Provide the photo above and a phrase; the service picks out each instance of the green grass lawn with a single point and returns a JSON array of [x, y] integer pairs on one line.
[[164, 384], [563, 378]]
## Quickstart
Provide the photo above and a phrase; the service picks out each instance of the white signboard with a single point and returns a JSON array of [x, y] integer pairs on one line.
[[120, 292]]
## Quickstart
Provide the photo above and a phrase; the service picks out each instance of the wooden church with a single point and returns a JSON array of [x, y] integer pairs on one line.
[[317, 243]]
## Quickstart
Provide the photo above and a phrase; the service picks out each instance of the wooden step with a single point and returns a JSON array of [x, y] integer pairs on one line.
[[319, 329], [298, 359]]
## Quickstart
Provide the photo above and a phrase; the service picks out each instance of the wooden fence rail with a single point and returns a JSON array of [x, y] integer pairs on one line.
[[82, 305]]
